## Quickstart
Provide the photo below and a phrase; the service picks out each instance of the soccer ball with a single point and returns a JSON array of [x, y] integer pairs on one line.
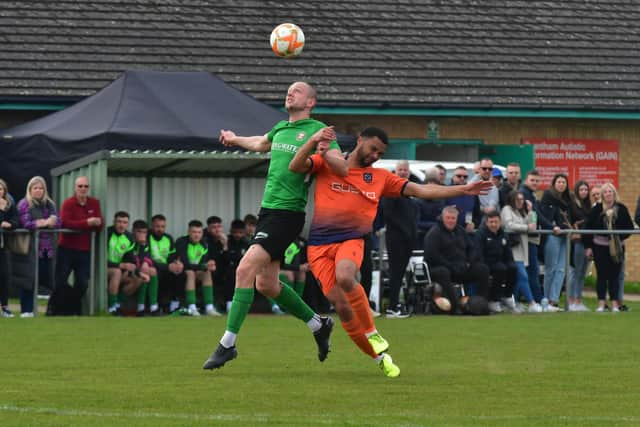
[[287, 40]]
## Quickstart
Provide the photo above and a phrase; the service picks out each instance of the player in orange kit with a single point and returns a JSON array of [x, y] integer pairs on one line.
[[344, 211]]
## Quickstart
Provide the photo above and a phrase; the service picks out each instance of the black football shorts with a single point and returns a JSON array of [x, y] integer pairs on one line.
[[276, 229]]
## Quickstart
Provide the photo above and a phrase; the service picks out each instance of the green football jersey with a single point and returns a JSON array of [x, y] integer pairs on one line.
[[285, 189]]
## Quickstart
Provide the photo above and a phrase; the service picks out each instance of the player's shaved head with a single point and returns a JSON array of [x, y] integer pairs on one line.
[[311, 91]]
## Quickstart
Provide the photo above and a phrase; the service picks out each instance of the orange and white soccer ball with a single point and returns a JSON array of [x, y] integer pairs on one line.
[[287, 40]]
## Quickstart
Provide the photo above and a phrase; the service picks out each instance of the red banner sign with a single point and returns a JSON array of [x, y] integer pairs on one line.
[[594, 161]]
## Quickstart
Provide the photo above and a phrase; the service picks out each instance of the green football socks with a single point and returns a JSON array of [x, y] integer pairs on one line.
[[190, 296], [142, 294], [242, 300], [291, 302], [153, 291], [207, 295]]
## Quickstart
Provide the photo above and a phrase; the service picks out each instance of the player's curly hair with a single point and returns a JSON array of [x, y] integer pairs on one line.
[[373, 132]]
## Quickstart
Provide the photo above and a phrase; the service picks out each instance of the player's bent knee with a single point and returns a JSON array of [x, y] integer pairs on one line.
[[267, 288], [346, 283]]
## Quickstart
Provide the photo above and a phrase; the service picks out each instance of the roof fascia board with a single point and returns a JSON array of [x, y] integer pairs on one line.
[[454, 112], [78, 163], [13, 106]]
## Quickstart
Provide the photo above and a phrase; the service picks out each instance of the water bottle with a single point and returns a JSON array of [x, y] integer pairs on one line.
[[545, 304]]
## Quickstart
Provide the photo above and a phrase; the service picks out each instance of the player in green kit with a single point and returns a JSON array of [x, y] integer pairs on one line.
[[280, 220]]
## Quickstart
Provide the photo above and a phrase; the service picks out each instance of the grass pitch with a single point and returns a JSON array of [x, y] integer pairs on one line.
[[528, 370]]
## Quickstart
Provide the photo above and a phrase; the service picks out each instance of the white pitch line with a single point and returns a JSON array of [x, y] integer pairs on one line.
[[264, 418]]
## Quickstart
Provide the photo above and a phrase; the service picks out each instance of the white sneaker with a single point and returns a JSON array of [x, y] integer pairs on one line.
[[173, 306], [615, 310], [275, 309], [553, 309], [211, 311], [573, 307], [582, 307], [495, 307], [27, 314], [374, 313], [193, 311], [534, 307], [600, 310], [508, 304]]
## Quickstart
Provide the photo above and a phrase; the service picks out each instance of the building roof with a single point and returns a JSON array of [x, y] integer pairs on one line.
[[575, 55]]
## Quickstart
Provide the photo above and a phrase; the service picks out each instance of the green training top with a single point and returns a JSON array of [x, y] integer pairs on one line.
[[285, 189], [161, 249], [119, 244]]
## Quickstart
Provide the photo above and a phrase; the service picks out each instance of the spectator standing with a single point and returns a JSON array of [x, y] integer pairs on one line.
[[491, 201], [452, 257], [556, 207], [164, 285], [399, 214], [596, 196], [78, 212], [8, 220], [36, 210], [442, 174], [607, 249], [494, 251], [517, 217], [237, 246], [511, 183], [529, 188], [497, 178], [578, 271], [469, 216]]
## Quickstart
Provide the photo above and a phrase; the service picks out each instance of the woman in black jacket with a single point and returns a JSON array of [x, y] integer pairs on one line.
[[8, 221], [581, 209], [556, 207], [607, 249]]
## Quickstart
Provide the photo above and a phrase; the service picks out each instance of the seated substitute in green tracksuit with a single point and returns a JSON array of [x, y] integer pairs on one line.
[[198, 263], [119, 242]]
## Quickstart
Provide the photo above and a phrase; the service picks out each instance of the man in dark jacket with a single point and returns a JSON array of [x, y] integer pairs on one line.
[[237, 245], [452, 257], [495, 252], [511, 182], [399, 215]]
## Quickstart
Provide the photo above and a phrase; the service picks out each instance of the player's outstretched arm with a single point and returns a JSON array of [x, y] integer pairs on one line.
[[434, 191], [258, 143]]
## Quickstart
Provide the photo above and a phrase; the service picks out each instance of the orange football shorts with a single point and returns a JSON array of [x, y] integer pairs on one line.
[[324, 258]]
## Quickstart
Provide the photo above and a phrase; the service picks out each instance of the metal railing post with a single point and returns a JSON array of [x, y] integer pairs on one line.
[[567, 266], [382, 250], [36, 281], [92, 272]]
